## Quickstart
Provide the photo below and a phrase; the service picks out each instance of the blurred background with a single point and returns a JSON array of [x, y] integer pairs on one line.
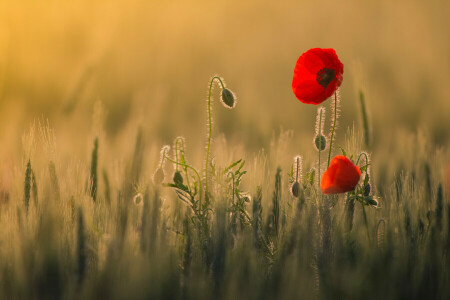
[[112, 66]]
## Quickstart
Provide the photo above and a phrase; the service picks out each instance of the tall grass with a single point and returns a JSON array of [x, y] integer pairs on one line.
[[255, 237]]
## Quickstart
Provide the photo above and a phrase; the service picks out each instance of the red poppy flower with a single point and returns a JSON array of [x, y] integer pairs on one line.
[[317, 75], [340, 177]]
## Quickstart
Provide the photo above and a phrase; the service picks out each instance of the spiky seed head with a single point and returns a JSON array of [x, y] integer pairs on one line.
[[320, 142], [228, 98], [177, 178], [159, 176], [367, 189], [295, 188]]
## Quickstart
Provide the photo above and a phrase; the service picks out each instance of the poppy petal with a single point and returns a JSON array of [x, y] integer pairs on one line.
[[340, 177], [308, 83]]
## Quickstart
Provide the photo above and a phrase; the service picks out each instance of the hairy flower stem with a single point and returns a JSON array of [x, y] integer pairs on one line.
[[208, 145], [334, 127], [320, 148]]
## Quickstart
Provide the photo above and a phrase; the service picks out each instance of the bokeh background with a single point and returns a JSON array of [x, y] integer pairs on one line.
[[148, 63]]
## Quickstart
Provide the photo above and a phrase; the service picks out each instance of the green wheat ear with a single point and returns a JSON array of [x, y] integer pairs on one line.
[[93, 175], [81, 249], [27, 186], [54, 180], [34, 188], [365, 120]]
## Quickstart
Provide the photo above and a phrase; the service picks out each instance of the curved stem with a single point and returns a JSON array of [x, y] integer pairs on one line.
[[208, 145], [298, 166], [193, 169], [359, 157], [320, 146], [334, 127]]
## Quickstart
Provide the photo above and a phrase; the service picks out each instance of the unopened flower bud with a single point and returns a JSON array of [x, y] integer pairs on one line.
[[177, 177], [228, 99], [320, 142], [295, 188]]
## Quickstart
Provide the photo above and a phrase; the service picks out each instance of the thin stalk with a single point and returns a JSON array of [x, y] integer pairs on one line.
[[320, 147], [334, 127], [180, 139], [208, 146], [365, 222], [364, 119]]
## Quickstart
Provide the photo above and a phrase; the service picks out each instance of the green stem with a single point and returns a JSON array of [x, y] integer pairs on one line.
[[365, 222], [180, 139], [334, 127], [365, 119], [176, 154], [320, 145], [193, 169], [232, 178], [359, 157], [208, 146]]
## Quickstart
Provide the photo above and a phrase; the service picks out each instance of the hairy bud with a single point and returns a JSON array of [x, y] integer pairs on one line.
[[320, 142], [295, 188], [228, 98]]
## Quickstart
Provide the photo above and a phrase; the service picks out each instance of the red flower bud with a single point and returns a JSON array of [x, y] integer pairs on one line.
[[340, 177]]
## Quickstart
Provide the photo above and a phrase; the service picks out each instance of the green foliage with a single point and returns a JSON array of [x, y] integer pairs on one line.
[[94, 176]]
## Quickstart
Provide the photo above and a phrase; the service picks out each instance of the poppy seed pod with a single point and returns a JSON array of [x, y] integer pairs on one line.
[[177, 178], [228, 98], [320, 142]]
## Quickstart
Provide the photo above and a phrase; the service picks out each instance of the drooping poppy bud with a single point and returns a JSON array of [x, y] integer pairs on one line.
[[340, 177], [228, 98]]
